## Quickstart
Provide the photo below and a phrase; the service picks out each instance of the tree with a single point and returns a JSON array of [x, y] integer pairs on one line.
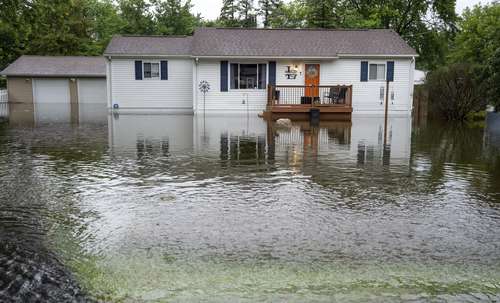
[[246, 12], [59, 27], [175, 18], [321, 13], [290, 15], [455, 91], [478, 42], [138, 17], [228, 12], [268, 10]]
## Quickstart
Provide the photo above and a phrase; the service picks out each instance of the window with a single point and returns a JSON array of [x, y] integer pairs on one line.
[[377, 72], [151, 70], [248, 76]]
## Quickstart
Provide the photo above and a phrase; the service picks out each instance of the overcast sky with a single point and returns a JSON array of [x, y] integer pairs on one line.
[[210, 9]]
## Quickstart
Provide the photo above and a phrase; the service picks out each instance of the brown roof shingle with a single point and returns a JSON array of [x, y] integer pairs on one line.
[[150, 45], [297, 42], [244, 42], [57, 66]]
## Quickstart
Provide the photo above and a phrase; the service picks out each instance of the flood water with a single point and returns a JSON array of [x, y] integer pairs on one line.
[[181, 208]]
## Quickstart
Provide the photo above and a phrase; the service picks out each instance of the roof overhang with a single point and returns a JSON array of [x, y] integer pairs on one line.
[[131, 56]]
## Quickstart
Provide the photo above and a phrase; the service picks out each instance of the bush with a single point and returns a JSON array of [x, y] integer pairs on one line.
[[455, 92]]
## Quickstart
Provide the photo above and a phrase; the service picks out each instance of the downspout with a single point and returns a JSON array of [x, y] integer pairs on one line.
[[108, 83]]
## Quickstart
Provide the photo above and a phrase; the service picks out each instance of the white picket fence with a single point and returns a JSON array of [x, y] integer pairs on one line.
[[4, 105]]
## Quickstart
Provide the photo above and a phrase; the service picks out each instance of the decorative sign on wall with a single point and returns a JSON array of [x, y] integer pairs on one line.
[[291, 73]]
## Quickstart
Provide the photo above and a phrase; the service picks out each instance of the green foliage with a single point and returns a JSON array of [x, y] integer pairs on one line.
[[246, 12], [269, 10], [478, 42], [290, 15], [175, 18], [455, 92], [322, 14], [228, 15]]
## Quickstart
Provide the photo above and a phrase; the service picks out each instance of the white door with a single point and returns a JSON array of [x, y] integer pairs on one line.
[[48, 91], [92, 91], [52, 100]]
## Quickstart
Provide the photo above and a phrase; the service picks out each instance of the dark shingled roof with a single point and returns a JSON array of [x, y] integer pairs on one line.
[[297, 42], [150, 45], [244, 42], [57, 66]]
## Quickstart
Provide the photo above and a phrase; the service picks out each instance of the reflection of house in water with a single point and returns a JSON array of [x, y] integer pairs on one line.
[[24, 114], [236, 140], [153, 135], [368, 140]]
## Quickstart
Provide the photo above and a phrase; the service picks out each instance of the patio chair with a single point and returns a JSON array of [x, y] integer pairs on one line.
[[333, 95]]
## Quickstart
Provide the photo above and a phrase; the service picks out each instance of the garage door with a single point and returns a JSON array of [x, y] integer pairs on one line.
[[52, 100], [92, 91], [47, 91]]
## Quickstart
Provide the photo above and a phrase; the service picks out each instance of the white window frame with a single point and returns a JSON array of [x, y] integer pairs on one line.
[[239, 75], [377, 64], [144, 70]]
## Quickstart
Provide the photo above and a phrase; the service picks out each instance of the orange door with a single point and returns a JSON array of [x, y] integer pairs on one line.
[[312, 80]]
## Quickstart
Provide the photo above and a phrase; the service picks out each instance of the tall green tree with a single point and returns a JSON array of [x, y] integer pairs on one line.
[[290, 15], [228, 15], [268, 9], [59, 27], [478, 42], [321, 14], [175, 18], [246, 11], [138, 16]]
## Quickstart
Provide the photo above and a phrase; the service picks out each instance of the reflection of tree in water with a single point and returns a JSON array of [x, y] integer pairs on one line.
[[458, 147]]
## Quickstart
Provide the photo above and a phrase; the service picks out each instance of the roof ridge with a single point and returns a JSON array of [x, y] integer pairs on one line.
[[299, 29], [155, 36]]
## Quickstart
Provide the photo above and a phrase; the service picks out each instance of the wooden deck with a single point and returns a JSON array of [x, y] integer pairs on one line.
[[296, 102]]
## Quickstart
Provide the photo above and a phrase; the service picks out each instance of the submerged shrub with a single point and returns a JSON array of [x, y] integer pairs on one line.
[[455, 92]]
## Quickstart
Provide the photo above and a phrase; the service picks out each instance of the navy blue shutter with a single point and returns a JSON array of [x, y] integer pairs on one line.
[[164, 70], [364, 71], [223, 76], [272, 72], [138, 70], [390, 70]]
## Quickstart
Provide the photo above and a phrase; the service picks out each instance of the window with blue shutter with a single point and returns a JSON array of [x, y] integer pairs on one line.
[[224, 76], [164, 70], [364, 71], [272, 72], [138, 70], [390, 70]]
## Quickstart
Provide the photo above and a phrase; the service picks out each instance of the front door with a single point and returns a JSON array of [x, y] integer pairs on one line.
[[312, 80]]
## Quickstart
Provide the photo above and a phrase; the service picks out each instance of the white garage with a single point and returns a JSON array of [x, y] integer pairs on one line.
[[92, 91], [51, 91]]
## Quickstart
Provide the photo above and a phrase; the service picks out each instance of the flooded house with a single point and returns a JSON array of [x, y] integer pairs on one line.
[[255, 70]]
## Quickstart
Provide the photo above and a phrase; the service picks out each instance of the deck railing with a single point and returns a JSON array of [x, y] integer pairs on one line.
[[301, 95]]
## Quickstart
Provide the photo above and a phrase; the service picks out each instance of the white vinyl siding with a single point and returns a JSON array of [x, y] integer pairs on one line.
[[366, 95], [241, 100], [174, 93]]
